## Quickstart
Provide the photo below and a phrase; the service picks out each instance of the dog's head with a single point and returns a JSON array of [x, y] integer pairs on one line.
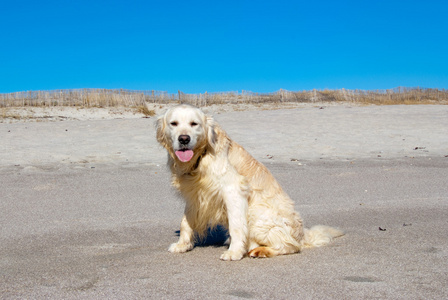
[[186, 132]]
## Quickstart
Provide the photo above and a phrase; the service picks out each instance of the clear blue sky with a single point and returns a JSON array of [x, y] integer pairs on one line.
[[198, 46]]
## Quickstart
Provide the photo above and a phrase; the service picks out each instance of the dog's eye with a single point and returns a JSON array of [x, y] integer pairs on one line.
[[193, 124], [174, 124]]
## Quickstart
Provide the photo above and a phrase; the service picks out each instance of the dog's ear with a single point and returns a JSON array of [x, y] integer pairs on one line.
[[161, 130], [211, 133]]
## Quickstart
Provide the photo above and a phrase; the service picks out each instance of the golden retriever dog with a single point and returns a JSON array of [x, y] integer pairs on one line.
[[224, 185]]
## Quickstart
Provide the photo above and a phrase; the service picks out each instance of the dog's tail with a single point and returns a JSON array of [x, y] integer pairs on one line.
[[320, 235]]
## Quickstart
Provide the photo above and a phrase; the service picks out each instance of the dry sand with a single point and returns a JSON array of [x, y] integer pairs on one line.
[[86, 211], [281, 135]]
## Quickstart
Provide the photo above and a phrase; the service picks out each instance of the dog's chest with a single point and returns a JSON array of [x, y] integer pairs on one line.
[[202, 188], [203, 195]]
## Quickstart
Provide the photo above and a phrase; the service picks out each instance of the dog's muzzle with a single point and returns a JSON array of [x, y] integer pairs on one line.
[[184, 154]]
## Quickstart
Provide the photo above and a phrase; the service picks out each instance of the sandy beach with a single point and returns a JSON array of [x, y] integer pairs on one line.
[[87, 212], [280, 135]]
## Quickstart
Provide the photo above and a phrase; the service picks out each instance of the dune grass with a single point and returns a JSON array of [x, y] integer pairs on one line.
[[140, 99]]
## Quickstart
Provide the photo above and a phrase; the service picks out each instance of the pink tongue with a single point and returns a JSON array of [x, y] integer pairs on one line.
[[184, 156]]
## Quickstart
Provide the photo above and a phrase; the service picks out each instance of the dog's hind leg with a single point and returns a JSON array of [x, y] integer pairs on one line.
[[272, 237]]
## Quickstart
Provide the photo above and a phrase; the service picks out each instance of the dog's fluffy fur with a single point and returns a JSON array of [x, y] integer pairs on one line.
[[224, 185]]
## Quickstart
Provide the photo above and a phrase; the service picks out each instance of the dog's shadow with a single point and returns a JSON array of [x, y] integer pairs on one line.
[[215, 237]]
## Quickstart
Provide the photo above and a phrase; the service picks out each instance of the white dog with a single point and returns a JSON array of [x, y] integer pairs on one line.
[[224, 185]]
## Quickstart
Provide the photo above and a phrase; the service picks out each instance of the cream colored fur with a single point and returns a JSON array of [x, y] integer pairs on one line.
[[224, 185]]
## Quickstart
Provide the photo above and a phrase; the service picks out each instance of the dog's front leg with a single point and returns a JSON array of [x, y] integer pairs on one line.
[[236, 205], [185, 242]]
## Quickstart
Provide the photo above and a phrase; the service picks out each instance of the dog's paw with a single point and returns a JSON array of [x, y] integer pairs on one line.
[[180, 248], [232, 255], [261, 252]]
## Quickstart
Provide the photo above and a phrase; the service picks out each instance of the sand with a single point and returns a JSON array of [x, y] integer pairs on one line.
[[281, 135], [86, 209]]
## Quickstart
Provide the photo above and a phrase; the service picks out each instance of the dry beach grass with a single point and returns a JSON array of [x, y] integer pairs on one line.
[[137, 99], [64, 104]]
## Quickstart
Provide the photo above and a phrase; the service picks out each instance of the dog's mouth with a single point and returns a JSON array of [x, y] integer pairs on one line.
[[184, 155]]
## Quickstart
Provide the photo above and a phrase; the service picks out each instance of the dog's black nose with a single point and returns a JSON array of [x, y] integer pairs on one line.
[[184, 139]]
